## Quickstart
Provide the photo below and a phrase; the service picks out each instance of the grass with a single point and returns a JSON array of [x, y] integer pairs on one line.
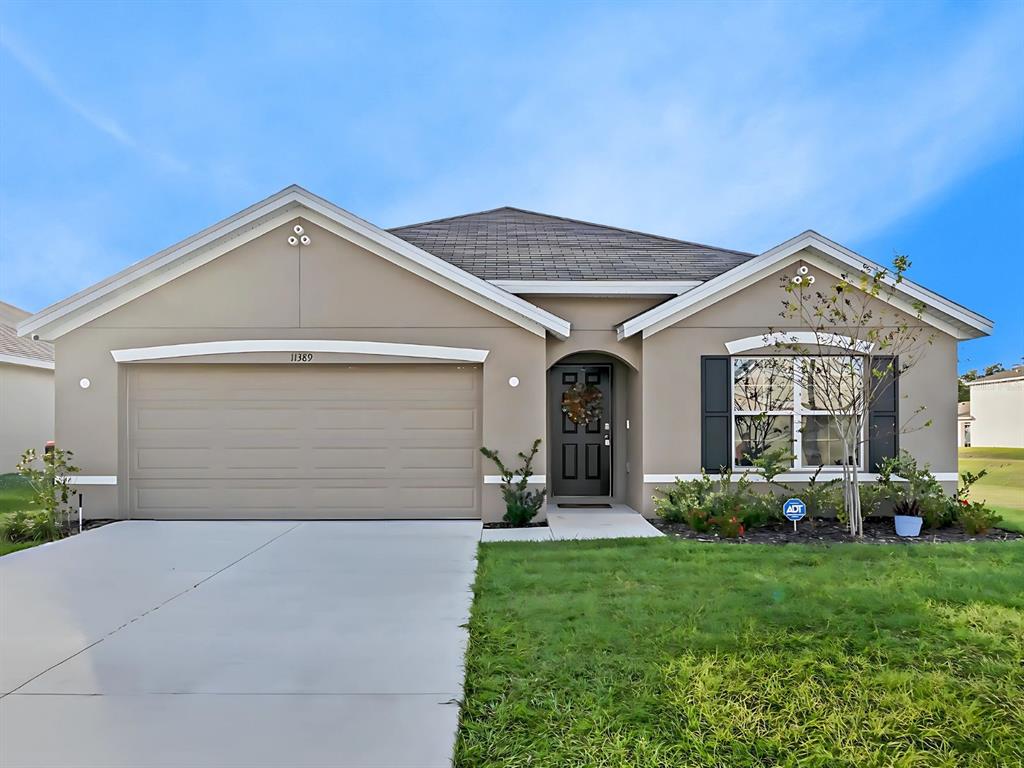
[[679, 654], [1003, 487], [15, 495]]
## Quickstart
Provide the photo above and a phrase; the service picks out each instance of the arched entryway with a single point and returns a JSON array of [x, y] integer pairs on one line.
[[591, 429]]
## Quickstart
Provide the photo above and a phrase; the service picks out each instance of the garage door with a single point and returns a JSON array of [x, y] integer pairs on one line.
[[316, 441]]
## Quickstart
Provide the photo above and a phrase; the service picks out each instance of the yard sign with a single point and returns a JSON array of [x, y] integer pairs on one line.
[[794, 510]]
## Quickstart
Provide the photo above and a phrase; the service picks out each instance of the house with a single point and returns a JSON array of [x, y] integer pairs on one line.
[[294, 360], [26, 390], [995, 411], [964, 420]]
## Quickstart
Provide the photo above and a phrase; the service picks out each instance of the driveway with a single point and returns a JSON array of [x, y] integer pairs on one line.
[[236, 644]]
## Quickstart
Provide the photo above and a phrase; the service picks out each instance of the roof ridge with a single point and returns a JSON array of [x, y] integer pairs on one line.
[[576, 221]]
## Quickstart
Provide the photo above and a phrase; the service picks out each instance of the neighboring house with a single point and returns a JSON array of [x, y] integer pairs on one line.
[[297, 361], [26, 390], [964, 420], [995, 411]]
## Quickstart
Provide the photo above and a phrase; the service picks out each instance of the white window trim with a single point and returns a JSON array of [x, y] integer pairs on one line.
[[796, 415], [839, 341], [498, 480], [756, 477]]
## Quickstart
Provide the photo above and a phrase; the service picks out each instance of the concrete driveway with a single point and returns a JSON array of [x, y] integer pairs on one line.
[[236, 644]]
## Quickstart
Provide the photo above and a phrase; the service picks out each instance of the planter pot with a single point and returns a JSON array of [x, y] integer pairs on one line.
[[908, 525]]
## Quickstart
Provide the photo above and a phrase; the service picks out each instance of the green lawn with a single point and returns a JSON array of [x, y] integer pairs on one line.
[[1003, 487], [668, 653], [15, 493]]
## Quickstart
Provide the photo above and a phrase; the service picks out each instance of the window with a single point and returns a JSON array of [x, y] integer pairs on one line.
[[784, 402]]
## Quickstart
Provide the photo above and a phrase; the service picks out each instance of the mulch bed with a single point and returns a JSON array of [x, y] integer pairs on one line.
[[828, 531]]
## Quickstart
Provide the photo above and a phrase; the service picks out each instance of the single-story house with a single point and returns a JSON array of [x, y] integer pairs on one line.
[[964, 420], [297, 361], [995, 411], [26, 390]]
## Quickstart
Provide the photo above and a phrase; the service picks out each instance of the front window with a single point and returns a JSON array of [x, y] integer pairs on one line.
[[787, 402]]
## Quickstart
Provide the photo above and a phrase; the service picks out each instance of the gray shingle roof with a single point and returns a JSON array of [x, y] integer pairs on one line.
[[10, 344], [514, 244]]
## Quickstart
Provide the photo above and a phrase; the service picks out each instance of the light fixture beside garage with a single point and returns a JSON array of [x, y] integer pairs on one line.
[[513, 381], [84, 383]]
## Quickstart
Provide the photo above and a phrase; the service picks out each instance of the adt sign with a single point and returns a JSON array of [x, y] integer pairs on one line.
[[794, 510]]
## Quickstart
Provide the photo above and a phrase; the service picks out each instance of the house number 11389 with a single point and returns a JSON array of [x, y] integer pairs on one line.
[[302, 357]]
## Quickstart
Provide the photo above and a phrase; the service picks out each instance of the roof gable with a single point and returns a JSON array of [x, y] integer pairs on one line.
[[941, 313], [507, 244], [17, 351], [189, 254]]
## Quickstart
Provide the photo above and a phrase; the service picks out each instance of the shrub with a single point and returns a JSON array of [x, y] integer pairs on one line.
[[708, 504], [51, 491], [521, 504], [976, 518], [34, 525], [917, 493], [677, 503]]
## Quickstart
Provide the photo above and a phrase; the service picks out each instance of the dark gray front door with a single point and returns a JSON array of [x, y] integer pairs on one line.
[[581, 453]]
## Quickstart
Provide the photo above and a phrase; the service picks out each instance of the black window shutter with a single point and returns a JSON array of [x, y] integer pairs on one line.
[[884, 412], [716, 411]]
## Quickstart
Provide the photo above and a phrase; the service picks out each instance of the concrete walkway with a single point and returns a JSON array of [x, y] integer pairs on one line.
[[228, 644], [618, 522]]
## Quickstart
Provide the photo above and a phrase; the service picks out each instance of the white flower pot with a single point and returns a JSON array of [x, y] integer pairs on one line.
[[908, 525]]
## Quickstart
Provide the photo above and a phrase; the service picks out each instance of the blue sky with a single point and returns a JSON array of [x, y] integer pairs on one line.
[[888, 127]]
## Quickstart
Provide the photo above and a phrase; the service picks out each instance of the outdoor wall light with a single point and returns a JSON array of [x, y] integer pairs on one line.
[[84, 383], [513, 381]]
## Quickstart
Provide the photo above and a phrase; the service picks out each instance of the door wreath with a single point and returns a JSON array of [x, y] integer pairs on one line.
[[582, 403]]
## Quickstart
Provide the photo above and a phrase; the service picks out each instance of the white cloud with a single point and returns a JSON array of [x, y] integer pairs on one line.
[[96, 118], [763, 124]]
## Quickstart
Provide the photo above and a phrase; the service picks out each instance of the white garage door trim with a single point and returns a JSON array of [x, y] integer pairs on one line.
[[338, 346]]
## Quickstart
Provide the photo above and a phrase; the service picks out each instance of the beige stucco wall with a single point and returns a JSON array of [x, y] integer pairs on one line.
[[671, 381], [26, 412], [267, 289], [998, 411]]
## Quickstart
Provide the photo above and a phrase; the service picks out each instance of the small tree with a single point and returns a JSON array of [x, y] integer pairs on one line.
[[51, 490], [521, 504], [859, 346]]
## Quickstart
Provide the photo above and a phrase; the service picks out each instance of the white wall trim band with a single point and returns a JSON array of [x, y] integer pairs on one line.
[[798, 337], [755, 477], [532, 479], [92, 479], [241, 346], [30, 362], [597, 287]]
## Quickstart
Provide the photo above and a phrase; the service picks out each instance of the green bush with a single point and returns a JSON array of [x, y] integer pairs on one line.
[[521, 504], [976, 518], [719, 505], [676, 503], [28, 525], [917, 493], [51, 491]]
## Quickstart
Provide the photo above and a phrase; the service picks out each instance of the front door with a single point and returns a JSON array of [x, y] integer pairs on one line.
[[581, 421]]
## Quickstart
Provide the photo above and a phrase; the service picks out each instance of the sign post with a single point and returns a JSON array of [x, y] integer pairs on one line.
[[794, 510]]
